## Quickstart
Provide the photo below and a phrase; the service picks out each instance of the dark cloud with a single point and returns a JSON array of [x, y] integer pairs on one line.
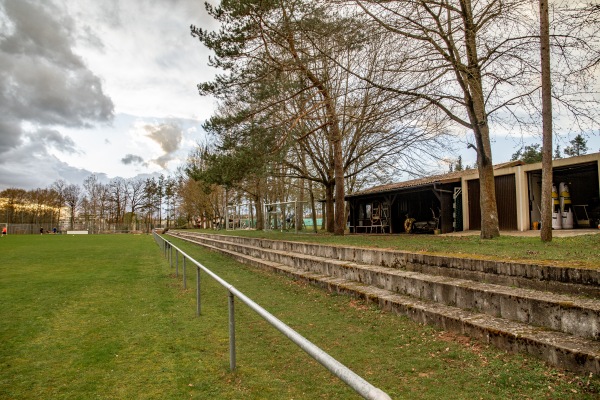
[[133, 159], [42, 81], [53, 138], [10, 132], [168, 136], [89, 38], [30, 166], [40, 30]]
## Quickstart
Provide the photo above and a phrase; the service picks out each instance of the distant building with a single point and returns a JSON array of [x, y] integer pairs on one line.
[[454, 197]]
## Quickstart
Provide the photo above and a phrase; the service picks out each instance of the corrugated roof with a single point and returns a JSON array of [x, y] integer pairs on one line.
[[428, 180]]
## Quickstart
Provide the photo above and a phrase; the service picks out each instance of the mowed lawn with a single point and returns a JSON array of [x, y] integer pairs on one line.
[[103, 316]]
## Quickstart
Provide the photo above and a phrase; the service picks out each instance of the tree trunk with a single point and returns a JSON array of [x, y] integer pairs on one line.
[[260, 215], [72, 217], [260, 218], [487, 195], [547, 204], [299, 211], [475, 101], [339, 223], [312, 206], [329, 213]]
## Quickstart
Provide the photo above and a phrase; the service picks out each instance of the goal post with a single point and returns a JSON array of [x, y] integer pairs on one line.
[[285, 215], [240, 216]]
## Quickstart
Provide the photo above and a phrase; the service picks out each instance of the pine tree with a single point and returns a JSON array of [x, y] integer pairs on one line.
[[578, 146], [528, 154], [557, 152]]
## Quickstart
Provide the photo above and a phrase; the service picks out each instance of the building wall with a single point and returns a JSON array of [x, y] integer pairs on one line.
[[522, 186]]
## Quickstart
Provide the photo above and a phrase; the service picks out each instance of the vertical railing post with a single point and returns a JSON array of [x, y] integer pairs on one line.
[[176, 262], [170, 254], [198, 309], [184, 282], [231, 332]]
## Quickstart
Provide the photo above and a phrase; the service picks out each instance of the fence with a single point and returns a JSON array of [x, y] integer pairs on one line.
[[361, 386], [28, 229]]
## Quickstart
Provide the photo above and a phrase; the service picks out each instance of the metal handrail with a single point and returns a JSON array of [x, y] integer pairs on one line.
[[356, 382]]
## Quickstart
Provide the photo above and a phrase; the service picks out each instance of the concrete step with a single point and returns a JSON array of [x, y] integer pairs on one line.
[[548, 326], [565, 313], [552, 278]]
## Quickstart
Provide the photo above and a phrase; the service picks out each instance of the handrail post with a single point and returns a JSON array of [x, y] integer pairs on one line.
[[198, 305], [170, 255], [231, 331], [176, 263], [184, 282]]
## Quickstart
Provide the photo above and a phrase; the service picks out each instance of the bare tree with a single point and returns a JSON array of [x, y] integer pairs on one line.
[[135, 192], [59, 189], [72, 196], [93, 189], [461, 58], [118, 196]]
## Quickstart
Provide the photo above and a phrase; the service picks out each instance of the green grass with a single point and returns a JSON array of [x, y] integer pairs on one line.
[[577, 251], [104, 317]]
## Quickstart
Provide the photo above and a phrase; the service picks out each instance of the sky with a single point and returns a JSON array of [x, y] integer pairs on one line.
[[109, 88], [105, 87]]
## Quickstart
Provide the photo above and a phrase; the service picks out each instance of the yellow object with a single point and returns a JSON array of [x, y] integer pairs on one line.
[[554, 195]]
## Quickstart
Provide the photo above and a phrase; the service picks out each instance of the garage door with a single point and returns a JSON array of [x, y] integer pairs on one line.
[[506, 201]]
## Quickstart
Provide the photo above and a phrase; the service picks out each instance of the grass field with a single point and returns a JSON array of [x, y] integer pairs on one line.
[[104, 317]]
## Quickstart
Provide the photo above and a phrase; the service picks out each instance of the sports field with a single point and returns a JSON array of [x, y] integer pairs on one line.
[[103, 316]]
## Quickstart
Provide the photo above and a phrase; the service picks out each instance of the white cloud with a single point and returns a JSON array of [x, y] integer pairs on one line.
[[155, 63]]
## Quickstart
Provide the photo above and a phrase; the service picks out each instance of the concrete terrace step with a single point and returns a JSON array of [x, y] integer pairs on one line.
[[558, 328], [550, 278], [563, 313]]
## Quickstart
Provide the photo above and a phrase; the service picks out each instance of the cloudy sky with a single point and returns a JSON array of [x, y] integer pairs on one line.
[[109, 87], [105, 87]]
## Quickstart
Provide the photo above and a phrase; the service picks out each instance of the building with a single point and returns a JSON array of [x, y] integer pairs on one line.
[[454, 198]]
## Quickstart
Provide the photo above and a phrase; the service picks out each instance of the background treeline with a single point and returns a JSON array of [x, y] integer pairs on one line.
[[120, 205]]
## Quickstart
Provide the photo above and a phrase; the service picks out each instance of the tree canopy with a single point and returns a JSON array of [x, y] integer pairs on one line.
[[343, 93]]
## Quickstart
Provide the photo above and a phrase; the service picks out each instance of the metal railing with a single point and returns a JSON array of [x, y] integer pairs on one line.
[[360, 385]]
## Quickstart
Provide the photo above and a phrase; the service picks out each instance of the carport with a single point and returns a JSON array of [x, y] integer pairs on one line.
[[384, 208], [583, 183]]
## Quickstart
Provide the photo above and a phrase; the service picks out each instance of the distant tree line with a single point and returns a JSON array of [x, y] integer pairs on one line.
[[533, 153], [119, 205]]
